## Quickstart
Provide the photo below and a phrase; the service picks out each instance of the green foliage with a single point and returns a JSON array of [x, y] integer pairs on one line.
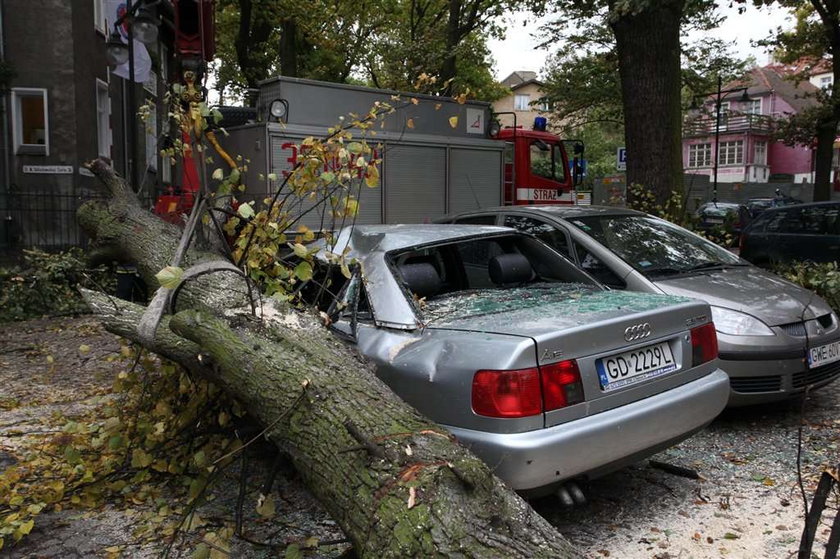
[[823, 279], [383, 44], [45, 284], [154, 441], [582, 79], [675, 210]]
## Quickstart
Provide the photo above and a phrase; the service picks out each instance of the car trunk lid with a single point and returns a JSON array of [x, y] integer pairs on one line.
[[588, 326]]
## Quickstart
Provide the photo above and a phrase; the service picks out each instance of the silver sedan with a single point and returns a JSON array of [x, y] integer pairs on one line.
[[546, 375], [776, 338]]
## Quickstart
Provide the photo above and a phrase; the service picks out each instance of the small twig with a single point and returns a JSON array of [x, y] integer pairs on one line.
[[15, 349], [371, 447], [240, 500], [675, 470], [272, 474], [269, 427]]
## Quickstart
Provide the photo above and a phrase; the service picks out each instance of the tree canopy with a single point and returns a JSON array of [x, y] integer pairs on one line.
[[813, 41], [386, 44], [584, 77]]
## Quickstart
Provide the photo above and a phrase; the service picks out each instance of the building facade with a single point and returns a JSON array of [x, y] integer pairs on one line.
[[744, 148], [524, 103], [63, 106]]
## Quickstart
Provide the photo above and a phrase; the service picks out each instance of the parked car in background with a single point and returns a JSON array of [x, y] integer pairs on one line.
[[726, 216], [775, 338], [542, 372], [756, 206], [801, 232]]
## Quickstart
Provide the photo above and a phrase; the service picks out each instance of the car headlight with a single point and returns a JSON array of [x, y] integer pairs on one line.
[[737, 323]]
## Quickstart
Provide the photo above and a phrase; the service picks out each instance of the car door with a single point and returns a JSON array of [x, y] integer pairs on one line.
[[774, 239], [819, 238]]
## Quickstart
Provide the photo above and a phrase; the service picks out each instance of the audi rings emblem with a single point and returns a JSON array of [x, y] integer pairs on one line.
[[637, 332]]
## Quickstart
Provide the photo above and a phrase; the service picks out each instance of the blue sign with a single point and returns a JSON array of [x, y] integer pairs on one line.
[[581, 165], [621, 159]]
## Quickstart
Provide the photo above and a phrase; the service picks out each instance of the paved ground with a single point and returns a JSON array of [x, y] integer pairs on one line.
[[747, 503]]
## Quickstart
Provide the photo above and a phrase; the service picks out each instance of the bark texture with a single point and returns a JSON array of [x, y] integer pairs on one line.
[[648, 46], [397, 484]]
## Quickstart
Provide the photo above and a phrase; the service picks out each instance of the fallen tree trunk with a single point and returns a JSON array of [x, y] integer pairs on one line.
[[396, 483]]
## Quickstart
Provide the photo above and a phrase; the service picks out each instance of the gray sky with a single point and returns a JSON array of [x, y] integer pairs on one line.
[[518, 51]]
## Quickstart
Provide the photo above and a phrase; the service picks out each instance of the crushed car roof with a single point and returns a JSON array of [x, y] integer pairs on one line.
[[367, 239]]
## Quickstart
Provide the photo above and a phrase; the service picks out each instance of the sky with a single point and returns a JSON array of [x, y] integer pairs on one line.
[[518, 51]]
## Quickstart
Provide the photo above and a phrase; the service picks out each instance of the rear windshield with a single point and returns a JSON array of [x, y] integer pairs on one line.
[[496, 263], [653, 246]]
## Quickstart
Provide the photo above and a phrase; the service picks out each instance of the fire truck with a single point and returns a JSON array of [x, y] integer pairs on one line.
[[438, 155]]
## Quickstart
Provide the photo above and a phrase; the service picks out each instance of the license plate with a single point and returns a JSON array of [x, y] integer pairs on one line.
[[714, 219], [824, 354], [630, 367]]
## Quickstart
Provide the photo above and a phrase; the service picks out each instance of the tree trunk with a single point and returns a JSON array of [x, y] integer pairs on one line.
[[347, 433], [827, 127], [648, 46]]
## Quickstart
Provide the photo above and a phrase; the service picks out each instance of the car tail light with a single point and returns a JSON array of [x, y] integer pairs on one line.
[[704, 346], [741, 239], [507, 393], [561, 384], [526, 392]]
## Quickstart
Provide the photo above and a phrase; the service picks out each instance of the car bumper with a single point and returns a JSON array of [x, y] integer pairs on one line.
[[615, 437], [761, 381]]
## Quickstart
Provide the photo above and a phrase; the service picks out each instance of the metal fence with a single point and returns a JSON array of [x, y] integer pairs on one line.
[[44, 220], [41, 219]]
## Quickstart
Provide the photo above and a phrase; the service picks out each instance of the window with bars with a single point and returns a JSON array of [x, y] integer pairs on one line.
[[700, 155], [731, 153]]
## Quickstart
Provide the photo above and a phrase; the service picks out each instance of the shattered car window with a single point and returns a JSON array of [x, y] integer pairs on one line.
[[494, 266]]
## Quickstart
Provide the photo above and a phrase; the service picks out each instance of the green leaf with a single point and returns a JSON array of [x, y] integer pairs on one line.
[[300, 250], [355, 148], [115, 442], [294, 552], [201, 551], [730, 536], [170, 277], [140, 458], [265, 506], [246, 211], [304, 271]]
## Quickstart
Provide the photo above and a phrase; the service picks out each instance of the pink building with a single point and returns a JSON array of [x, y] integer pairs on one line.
[[746, 153]]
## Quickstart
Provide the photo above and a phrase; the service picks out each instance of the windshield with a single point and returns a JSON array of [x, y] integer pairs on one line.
[[653, 246]]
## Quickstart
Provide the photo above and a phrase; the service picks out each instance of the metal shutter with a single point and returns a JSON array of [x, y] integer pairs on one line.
[[475, 179], [415, 183], [370, 199]]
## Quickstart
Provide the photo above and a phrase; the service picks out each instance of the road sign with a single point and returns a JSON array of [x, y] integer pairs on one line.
[[621, 159]]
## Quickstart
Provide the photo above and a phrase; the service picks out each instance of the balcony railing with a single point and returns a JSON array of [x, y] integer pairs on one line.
[[704, 125]]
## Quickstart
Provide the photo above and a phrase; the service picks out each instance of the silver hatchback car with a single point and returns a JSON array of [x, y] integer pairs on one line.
[[776, 339], [546, 375]]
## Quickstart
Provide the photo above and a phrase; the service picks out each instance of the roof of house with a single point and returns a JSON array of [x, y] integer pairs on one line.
[[774, 78], [808, 66], [521, 78]]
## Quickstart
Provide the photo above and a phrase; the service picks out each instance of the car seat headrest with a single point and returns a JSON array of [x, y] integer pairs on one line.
[[511, 268], [421, 278]]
